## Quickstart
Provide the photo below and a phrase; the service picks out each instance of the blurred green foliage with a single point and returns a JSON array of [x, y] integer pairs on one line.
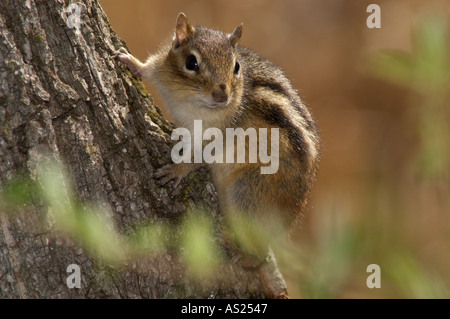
[[411, 278], [90, 226], [201, 251], [426, 71]]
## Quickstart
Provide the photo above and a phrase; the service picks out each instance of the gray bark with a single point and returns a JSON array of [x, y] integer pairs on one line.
[[60, 90]]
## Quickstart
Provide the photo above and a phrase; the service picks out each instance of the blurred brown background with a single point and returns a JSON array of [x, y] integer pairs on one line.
[[371, 204]]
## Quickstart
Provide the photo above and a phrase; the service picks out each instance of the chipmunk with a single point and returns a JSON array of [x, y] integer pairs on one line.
[[204, 74]]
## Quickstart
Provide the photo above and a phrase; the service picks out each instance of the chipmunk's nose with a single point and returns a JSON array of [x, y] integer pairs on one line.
[[219, 94]]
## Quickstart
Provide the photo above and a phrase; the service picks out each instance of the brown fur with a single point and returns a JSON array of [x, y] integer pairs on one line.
[[260, 96]]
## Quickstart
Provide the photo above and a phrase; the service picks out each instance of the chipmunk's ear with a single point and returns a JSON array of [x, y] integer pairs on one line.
[[183, 31], [236, 35]]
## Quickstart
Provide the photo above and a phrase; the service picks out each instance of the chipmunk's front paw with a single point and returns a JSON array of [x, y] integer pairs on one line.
[[126, 58], [121, 50], [122, 55], [167, 173]]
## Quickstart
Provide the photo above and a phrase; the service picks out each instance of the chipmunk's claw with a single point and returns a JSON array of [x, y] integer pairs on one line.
[[283, 295], [126, 58], [167, 173], [119, 54]]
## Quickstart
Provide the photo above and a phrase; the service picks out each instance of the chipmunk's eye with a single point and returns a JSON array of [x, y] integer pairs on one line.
[[191, 63], [236, 67]]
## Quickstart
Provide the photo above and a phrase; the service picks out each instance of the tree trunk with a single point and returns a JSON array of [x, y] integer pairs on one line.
[[60, 90]]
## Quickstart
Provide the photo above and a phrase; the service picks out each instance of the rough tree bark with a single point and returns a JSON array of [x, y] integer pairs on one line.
[[61, 91]]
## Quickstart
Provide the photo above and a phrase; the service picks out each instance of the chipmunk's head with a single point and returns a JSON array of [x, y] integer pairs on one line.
[[206, 64]]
